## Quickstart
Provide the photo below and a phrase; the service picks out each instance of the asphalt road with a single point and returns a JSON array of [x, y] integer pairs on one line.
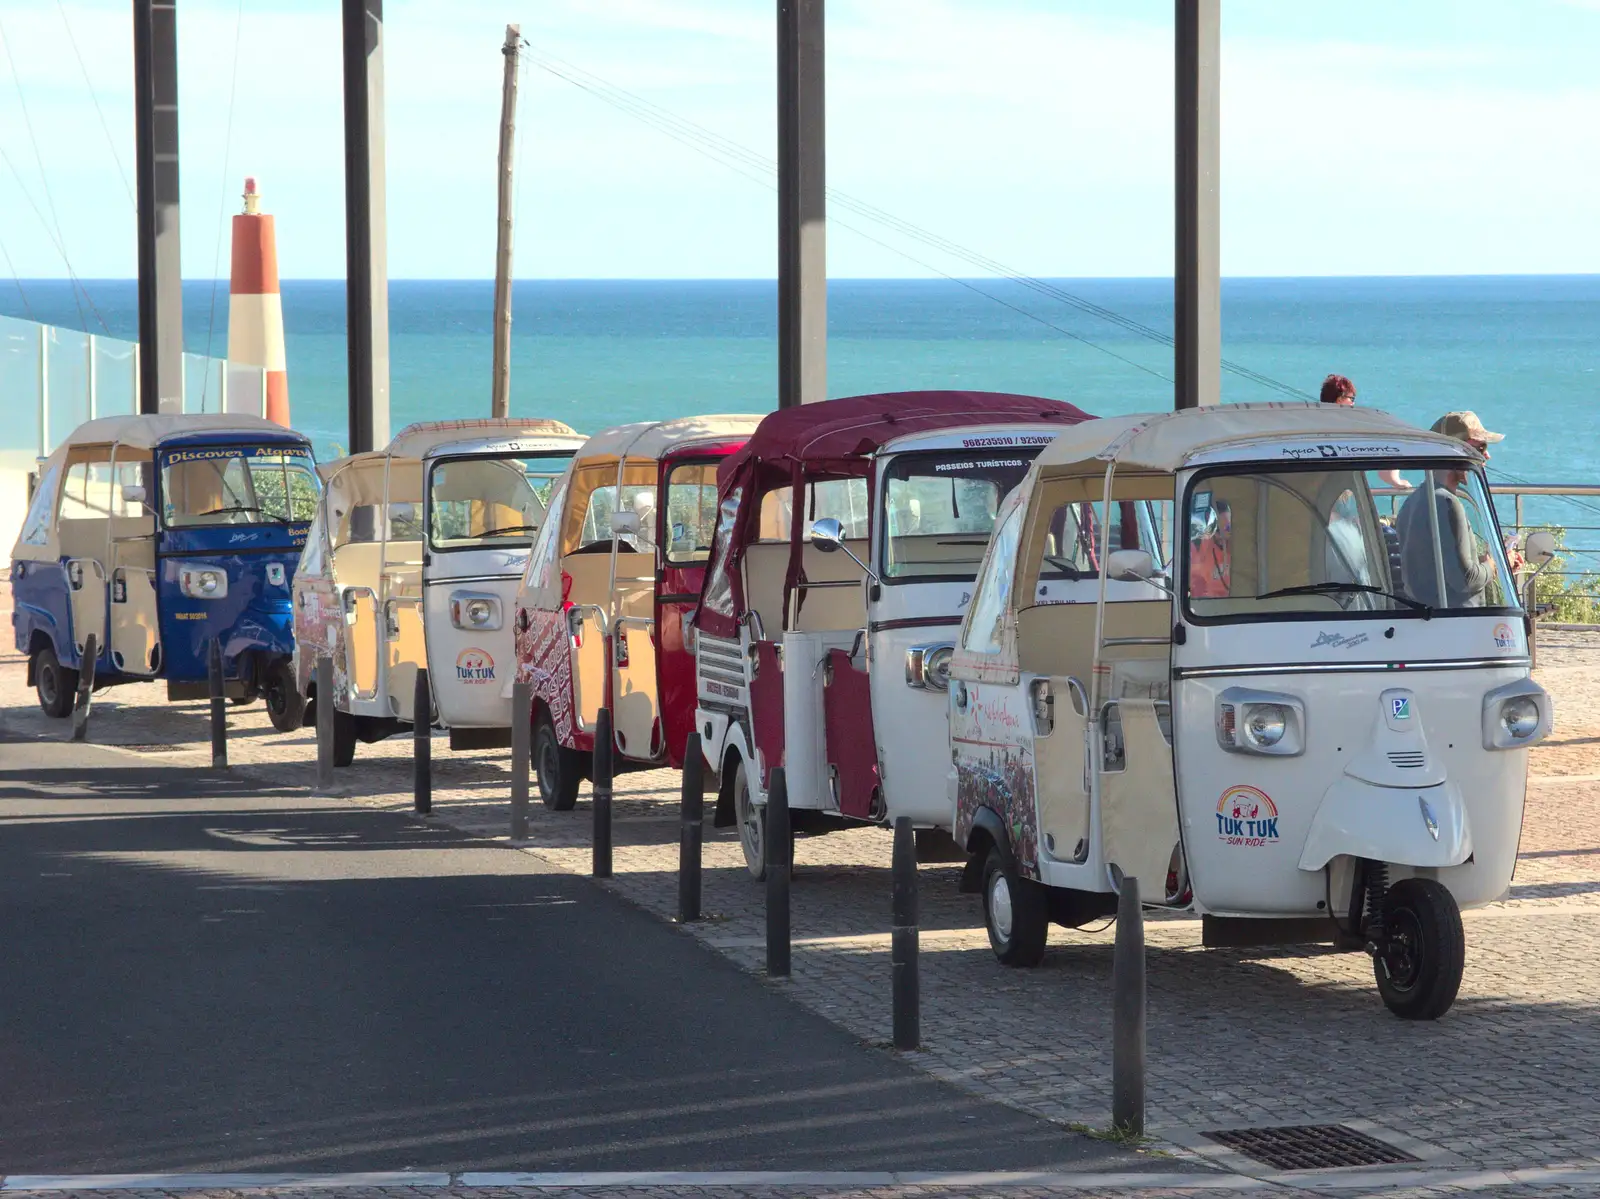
[[199, 976]]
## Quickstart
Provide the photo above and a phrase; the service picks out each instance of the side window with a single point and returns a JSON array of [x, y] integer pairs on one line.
[[75, 493], [982, 634], [36, 527], [719, 582], [547, 548], [843, 499], [691, 511], [313, 559]]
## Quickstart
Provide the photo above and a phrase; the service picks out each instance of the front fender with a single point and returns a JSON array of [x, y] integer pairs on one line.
[[990, 823], [1405, 826]]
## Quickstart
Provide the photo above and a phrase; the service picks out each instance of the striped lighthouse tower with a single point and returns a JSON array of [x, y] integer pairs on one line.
[[255, 310]]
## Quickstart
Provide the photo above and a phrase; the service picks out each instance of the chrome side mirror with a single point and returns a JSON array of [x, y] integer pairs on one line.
[[827, 534]]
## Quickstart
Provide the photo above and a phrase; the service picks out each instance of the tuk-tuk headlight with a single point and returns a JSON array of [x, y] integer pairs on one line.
[[1520, 716], [928, 666], [1266, 724], [474, 611], [198, 582], [1260, 722]]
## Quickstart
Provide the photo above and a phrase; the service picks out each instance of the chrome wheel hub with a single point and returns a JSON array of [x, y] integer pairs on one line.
[[1000, 907]]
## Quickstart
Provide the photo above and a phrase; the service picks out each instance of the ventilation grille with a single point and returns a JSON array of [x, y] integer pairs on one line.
[[1407, 759], [1310, 1147]]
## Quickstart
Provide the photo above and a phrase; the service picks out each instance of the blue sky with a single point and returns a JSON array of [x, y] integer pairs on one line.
[[1359, 136]]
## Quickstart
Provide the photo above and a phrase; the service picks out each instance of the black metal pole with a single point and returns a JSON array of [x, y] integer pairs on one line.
[[802, 205], [155, 107], [692, 807], [421, 744], [325, 714], [219, 706], [1197, 300], [779, 848], [1128, 1013], [521, 735], [80, 703], [366, 271], [601, 786], [904, 939]]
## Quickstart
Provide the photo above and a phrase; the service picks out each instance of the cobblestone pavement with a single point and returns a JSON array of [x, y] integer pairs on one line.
[[1236, 1038]]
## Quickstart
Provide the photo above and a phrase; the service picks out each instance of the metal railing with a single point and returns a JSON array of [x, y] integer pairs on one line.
[[1571, 587]]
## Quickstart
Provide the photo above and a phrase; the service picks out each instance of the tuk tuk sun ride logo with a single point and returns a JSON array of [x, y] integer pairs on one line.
[[1503, 638], [1246, 816], [474, 667]]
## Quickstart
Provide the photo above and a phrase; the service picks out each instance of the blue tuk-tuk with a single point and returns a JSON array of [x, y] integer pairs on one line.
[[158, 534]]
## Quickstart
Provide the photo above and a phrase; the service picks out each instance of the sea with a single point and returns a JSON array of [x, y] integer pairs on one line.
[[1523, 352]]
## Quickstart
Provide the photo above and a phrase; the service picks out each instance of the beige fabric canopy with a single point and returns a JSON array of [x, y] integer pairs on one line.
[[422, 438], [145, 431], [654, 439], [1166, 441]]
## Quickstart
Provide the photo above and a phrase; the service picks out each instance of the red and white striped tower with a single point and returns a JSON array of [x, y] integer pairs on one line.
[[255, 309]]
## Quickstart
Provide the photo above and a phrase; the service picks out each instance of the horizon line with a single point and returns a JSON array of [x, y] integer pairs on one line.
[[201, 279]]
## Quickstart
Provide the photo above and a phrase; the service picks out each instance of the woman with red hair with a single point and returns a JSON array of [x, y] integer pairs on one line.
[[1336, 389]]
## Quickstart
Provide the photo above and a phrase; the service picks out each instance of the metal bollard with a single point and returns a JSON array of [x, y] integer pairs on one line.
[[219, 707], [1128, 1013], [904, 939], [422, 745], [779, 847], [80, 701], [601, 786], [324, 677], [692, 807], [521, 749]]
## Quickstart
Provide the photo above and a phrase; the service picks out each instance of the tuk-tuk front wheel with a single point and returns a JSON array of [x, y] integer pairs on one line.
[[54, 683], [1016, 911], [344, 737], [1419, 964], [286, 707], [558, 769], [752, 825]]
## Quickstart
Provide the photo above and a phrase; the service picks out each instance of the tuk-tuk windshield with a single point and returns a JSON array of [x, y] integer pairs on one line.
[[238, 485], [495, 501], [1349, 540], [939, 508]]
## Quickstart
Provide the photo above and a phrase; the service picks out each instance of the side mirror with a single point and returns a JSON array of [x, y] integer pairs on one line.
[[1130, 566], [625, 524], [827, 534], [1539, 547], [132, 493]]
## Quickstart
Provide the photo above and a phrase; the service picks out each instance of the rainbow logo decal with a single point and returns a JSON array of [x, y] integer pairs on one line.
[[474, 666], [1247, 816]]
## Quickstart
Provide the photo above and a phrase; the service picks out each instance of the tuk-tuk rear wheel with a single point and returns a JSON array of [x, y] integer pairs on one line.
[[286, 707], [558, 770], [53, 682], [752, 823], [1016, 911], [1419, 965]]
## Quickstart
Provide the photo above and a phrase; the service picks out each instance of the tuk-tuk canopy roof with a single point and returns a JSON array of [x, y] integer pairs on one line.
[[856, 426], [422, 438], [146, 431], [1165, 442], [657, 439]]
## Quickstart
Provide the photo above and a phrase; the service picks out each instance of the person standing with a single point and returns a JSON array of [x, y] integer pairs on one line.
[[1336, 389], [1468, 566]]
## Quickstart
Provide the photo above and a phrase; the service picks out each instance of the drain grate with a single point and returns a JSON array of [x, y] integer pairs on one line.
[[152, 749], [1310, 1147]]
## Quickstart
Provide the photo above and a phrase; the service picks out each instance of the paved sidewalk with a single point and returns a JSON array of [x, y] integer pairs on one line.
[[1236, 1039]]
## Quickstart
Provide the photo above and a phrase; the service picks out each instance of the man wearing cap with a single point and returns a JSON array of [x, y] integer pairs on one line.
[[1468, 568]]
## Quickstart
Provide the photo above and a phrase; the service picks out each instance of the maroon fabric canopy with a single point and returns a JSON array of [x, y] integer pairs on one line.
[[835, 438]]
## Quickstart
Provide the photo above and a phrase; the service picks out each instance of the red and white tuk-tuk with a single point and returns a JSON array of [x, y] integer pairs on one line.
[[848, 536], [600, 613]]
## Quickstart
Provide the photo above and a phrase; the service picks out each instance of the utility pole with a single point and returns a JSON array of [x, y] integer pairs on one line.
[[1197, 308], [500, 402], [365, 226], [802, 205], [155, 104]]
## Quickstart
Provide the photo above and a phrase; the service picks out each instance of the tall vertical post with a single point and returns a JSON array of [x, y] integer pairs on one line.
[[904, 939], [600, 787], [1197, 307], [365, 226], [500, 400], [802, 205], [155, 87], [91, 375], [1128, 1012], [779, 849], [422, 745], [44, 392], [521, 747]]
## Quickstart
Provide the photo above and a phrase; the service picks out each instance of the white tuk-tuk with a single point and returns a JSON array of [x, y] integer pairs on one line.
[[413, 560], [1314, 729]]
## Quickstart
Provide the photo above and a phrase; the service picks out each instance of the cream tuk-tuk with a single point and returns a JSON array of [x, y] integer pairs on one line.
[[847, 541], [1297, 733], [413, 560], [601, 615]]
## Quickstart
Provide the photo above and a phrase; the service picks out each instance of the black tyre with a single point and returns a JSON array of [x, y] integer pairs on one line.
[[1016, 911], [54, 683], [1419, 969], [344, 737], [558, 769], [752, 822], [286, 707]]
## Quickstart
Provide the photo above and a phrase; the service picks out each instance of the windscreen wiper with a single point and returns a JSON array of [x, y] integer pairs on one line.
[[1332, 588]]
